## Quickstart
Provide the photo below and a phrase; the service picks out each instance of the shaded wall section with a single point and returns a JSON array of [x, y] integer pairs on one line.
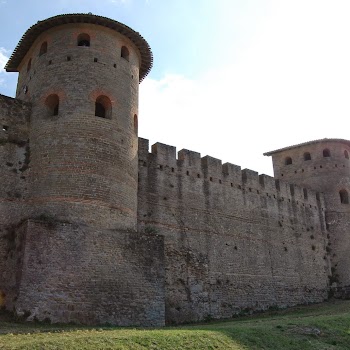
[[82, 275], [234, 241], [14, 165]]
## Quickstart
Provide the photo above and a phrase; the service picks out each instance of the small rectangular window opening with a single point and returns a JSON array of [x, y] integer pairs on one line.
[[5, 128], [305, 193], [95, 59], [68, 58], [291, 187]]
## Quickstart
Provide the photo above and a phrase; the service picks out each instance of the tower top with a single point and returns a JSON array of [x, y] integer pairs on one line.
[[346, 142], [41, 26]]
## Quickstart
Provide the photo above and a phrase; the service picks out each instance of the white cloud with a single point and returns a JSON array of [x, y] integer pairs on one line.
[[208, 115], [3, 59], [288, 84]]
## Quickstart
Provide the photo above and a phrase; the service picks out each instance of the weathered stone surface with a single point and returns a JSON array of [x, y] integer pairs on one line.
[[90, 276], [234, 241], [327, 171]]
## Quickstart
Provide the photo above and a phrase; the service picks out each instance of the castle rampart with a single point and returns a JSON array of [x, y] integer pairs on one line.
[[95, 228], [79, 274], [234, 240]]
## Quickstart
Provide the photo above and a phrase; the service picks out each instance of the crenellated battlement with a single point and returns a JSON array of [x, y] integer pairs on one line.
[[227, 228], [189, 164]]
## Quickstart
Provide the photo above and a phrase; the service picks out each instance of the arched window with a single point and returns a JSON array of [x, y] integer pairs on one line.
[[344, 196], [103, 107], [83, 39], [29, 65], [326, 152], [135, 123], [288, 161], [43, 48], [307, 156], [52, 103], [124, 53], [346, 154]]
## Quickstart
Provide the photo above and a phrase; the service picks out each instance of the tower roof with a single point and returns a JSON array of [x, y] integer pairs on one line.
[[346, 142], [34, 31]]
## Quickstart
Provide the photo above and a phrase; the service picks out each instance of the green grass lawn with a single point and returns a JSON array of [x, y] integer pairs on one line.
[[322, 326]]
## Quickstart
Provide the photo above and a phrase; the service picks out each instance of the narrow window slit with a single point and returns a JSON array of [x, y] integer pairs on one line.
[[344, 197]]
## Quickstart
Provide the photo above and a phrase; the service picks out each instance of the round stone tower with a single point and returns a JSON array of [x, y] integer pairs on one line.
[[81, 74], [324, 166]]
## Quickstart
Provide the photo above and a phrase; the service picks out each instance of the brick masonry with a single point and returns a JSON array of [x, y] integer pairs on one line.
[[327, 173], [97, 229], [83, 275], [234, 240]]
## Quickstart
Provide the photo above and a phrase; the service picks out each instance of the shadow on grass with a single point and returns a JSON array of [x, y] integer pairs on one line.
[[325, 326], [319, 326]]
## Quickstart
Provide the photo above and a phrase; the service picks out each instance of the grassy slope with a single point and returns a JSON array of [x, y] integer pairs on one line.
[[323, 326]]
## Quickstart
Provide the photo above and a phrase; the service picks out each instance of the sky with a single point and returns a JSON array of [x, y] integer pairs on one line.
[[231, 79]]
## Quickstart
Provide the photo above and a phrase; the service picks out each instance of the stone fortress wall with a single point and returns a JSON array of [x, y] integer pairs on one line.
[[234, 240], [325, 167], [14, 161], [95, 228]]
